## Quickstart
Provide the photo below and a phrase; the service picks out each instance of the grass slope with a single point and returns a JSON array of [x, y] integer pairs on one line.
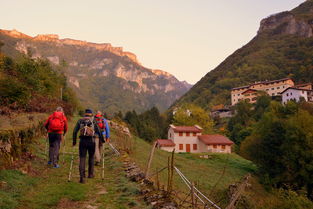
[[213, 175], [46, 187]]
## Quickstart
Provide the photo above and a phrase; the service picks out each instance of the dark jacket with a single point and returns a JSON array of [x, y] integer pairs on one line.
[[78, 126]]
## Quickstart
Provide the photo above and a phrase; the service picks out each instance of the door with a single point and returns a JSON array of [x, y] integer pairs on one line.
[[187, 147]]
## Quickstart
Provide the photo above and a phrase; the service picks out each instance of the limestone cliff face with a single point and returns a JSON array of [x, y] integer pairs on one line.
[[102, 75], [286, 23], [55, 38]]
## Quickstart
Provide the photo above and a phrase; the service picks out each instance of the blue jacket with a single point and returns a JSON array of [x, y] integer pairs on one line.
[[106, 131]]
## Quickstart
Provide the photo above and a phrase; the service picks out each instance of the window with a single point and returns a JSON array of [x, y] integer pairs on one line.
[[180, 133], [214, 146], [187, 133], [267, 89], [287, 94], [302, 92], [273, 94], [238, 94], [283, 87], [195, 146], [181, 146], [278, 87], [272, 88], [223, 146], [194, 134], [290, 93]]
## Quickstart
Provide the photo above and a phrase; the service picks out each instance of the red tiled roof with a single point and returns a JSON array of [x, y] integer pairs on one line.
[[215, 139], [261, 82], [294, 88], [192, 129], [248, 91], [165, 143]]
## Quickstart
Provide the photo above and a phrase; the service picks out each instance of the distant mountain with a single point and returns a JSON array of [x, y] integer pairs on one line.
[[104, 77], [283, 47]]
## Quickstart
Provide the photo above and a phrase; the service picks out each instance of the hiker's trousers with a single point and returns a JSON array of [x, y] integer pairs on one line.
[[54, 147], [98, 151], [86, 144]]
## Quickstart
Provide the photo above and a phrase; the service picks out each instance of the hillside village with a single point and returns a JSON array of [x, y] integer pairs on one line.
[[283, 90]]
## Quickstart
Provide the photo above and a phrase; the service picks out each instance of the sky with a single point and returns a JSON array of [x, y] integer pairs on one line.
[[186, 38]]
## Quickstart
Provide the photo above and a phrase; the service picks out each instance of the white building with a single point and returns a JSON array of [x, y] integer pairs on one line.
[[294, 94], [272, 88], [190, 139]]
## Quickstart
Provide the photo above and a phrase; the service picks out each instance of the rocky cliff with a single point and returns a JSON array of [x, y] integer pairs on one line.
[[103, 76], [286, 23]]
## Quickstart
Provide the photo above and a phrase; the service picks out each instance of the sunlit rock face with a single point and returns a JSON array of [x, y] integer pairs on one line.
[[103, 76]]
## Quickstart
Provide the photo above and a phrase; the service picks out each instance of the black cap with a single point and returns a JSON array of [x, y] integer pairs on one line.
[[88, 111]]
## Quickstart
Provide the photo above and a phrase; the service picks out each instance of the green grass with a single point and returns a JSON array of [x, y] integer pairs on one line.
[[209, 173], [13, 185], [20, 121], [49, 188]]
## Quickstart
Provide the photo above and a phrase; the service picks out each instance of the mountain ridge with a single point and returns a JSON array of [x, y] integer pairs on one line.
[[103, 76]]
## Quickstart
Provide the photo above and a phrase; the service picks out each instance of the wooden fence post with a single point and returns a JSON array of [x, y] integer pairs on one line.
[[150, 159], [192, 191]]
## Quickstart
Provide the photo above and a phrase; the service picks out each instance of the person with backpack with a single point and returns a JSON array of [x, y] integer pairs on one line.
[[57, 126], [88, 130], [105, 129]]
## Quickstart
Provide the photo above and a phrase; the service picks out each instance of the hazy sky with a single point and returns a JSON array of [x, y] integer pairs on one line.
[[187, 38]]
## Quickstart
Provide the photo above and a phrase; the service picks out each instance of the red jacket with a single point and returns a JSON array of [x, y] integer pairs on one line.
[[59, 115]]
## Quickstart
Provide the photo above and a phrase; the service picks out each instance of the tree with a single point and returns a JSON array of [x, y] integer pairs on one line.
[[190, 114], [281, 144]]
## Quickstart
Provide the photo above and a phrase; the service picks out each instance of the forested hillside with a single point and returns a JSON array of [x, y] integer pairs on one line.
[[282, 48], [33, 85]]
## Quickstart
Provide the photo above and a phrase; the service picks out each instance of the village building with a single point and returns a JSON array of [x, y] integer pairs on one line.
[[221, 111], [249, 92], [296, 93], [190, 139]]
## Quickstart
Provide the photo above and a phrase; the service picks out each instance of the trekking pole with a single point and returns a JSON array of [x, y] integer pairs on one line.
[[114, 149], [71, 167], [102, 162]]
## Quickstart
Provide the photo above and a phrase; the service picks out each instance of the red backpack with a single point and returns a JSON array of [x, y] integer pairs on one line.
[[56, 122], [99, 119]]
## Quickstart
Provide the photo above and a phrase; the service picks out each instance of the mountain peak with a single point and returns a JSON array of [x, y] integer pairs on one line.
[[286, 23], [161, 72], [14, 33], [46, 37]]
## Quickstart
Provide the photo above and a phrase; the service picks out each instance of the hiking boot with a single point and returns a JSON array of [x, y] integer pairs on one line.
[[49, 162], [56, 166], [90, 176], [81, 180]]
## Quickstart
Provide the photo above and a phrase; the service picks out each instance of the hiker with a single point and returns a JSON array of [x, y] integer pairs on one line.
[[57, 126], [88, 129], [105, 129]]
